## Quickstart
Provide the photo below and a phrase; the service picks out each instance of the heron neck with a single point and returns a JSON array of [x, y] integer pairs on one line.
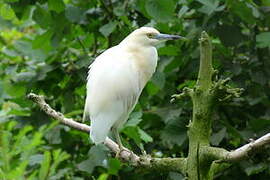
[[144, 59]]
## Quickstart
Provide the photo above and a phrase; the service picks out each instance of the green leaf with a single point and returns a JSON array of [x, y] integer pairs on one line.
[[10, 52], [84, 61], [182, 11], [151, 88], [176, 176], [230, 35], [168, 114], [42, 69], [216, 138], [114, 166], [88, 40], [103, 177], [35, 159], [42, 17], [14, 90], [159, 79], [19, 112], [62, 173], [144, 136], [42, 41], [140, 6], [119, 11], [18, 171], [134, 119], [26, 49], [56, 5], [11, 1], [175, 130], [1, 92], [187, 83], [24, 77], [259, 77], [97, 157], [74, 14], [210, 6], [107, 29], [266, 2], [132, 132], [45, 166], [241, 9], [161, 10], [53, 136], [173, 64], [256, 168], [258, 124], [169, 50], [58, 157], [263, 39], [86, 166], [7, 12]]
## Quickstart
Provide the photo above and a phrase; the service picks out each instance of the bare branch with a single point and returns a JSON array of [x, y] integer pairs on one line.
[[244, 151], [172, 164], [126, 155], [220, 155]]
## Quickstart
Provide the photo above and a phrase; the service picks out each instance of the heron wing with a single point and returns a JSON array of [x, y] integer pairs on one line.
[[112, 92]]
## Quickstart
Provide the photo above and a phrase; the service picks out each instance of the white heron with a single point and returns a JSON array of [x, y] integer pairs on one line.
[[116, 79]]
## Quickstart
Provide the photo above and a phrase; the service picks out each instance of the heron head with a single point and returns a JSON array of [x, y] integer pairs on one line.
[[150, 36]]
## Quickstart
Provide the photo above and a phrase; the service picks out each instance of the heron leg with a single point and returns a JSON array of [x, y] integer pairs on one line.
[[118, 141], [142, 150]]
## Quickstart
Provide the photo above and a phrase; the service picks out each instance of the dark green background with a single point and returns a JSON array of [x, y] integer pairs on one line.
[[46, 47]]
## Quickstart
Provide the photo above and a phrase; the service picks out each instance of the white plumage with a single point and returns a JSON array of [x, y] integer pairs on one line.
[[116, 79]]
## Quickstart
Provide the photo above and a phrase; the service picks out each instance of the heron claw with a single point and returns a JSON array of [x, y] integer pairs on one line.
[[118, 154]]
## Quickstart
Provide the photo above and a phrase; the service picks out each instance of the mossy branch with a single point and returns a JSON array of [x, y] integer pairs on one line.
[[223, 91], [165, 164], [206, 70], [186, 92], [204, 161], [200, 127]]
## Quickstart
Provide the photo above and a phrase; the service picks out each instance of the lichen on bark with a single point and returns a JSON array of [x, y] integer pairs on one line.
[[201, 160]]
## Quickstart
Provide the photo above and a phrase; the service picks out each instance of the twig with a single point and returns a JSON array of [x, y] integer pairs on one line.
[[108, 10], [83, 47]]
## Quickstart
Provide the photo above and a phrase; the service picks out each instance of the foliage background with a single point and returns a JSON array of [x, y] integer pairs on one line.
[[46, 47]]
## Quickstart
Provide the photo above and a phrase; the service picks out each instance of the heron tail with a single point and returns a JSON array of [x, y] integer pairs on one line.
[[99, 130]]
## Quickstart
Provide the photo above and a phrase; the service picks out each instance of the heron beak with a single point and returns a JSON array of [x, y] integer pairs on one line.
[[168, 37]]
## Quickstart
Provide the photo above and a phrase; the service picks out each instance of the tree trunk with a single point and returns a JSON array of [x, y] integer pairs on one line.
[[200, 127]]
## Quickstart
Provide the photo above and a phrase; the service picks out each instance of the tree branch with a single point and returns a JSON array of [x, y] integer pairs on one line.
[[200, 127], [206, 70], [244, 151], [126, 155], [167, 164], [221, 155]]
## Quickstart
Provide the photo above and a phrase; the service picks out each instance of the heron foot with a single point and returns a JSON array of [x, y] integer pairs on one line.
[[118, 154]]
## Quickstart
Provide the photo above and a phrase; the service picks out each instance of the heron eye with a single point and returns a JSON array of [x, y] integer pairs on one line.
[[150, 35]]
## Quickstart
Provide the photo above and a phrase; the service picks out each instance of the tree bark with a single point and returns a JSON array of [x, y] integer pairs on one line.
[[200, 127]]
